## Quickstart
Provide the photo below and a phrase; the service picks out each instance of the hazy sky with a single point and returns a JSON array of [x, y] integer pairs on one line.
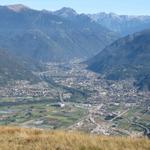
[[132, 7]]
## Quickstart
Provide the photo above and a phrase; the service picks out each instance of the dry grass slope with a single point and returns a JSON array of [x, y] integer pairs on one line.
[[29, 139]]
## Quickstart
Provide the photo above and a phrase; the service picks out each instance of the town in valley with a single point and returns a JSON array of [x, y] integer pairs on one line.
[[71, 97]]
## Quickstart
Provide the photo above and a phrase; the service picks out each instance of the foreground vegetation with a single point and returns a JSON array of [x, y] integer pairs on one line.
[[33, 139]]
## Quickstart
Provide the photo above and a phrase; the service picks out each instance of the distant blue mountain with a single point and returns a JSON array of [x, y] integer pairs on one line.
[[126, 58], [51, 36], [122, 24]]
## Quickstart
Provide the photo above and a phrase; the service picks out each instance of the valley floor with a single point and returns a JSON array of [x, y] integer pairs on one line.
[[76, 99], [31, 139]]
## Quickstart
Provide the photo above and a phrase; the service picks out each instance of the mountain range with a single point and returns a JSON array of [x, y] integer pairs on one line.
[[122, 24], [128, 57], [29, 37], [51, 36]]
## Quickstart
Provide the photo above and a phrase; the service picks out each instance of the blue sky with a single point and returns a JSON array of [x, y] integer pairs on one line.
[[131, 7]]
